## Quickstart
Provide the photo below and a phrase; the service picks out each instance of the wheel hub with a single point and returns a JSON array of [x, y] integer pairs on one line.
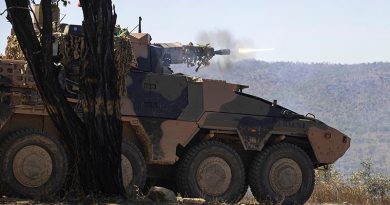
[[32, 166], [214, 176], [127, 171], [285, 177]]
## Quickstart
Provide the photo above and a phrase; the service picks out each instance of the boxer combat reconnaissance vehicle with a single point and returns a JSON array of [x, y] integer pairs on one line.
[[199, 137]]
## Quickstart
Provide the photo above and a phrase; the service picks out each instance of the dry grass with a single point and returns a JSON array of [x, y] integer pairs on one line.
[[361, 187]]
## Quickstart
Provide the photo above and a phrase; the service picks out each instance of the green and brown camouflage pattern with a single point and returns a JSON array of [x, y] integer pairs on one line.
[[173, 108], [166, 111]]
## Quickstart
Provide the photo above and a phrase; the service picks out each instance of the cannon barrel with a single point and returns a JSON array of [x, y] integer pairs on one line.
[[222, 52]]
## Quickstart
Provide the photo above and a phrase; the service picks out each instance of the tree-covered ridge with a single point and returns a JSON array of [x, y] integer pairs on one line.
[[353, 98]]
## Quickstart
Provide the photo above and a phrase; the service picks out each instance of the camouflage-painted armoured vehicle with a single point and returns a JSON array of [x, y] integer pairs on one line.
[[200, 137]]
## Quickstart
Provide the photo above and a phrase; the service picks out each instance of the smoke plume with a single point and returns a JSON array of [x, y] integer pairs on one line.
[[224, 39]]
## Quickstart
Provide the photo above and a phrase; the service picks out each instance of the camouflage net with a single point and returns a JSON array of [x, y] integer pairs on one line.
[[13, 51], [124, 59], [72, 48]]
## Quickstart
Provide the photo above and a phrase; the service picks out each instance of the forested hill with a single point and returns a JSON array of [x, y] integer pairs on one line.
[[353, 98]]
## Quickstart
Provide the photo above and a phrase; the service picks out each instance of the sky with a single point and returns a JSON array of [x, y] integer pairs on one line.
[[333, 31]]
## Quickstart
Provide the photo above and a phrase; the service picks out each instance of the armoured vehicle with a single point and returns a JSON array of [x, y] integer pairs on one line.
[[200, 137]]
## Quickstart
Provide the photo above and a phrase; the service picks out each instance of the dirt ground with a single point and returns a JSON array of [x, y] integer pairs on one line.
[[28, 202]]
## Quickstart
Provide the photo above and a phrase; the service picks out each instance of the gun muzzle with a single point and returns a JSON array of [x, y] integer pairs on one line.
[[222, 52]]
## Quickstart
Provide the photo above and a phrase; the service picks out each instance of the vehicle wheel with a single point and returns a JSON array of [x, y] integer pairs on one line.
[[33, 164], [133, 168], [282, 173], [213, 171]]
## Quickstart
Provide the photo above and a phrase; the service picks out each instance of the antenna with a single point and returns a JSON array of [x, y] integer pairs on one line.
[[139, 24]]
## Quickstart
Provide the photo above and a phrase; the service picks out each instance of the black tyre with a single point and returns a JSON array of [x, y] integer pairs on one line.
[[33, 164], [243, 193], [282, 173], [213, 171], [133, 168]]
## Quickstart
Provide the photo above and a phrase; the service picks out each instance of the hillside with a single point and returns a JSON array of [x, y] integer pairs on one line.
[[353, 98]]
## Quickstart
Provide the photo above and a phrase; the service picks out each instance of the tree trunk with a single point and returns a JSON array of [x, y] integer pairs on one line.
[[95, 144], [100, 94]]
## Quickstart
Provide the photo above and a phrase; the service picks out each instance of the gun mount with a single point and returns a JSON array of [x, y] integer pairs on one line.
[[157, 57], [175, 53]]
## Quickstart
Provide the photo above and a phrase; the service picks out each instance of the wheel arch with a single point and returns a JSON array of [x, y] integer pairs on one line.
[[132, 132], [20, 121], [229, 137], [300, 141]]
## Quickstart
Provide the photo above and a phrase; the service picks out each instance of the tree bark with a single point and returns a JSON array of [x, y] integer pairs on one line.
[[95, 141], [100, 94]]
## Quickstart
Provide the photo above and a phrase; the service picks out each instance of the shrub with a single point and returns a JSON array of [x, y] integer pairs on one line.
[[361, 187]]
